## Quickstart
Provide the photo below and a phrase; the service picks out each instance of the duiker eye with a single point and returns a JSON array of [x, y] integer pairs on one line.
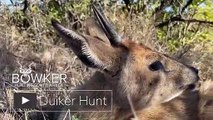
[[155, 66]]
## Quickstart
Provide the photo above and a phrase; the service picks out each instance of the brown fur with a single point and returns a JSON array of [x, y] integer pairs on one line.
[[185, 107], [125, 69]]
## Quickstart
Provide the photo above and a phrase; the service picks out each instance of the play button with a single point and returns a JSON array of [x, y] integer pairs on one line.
[[25, 100]]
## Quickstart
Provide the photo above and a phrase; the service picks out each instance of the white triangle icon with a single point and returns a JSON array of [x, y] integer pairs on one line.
[[24, 100]]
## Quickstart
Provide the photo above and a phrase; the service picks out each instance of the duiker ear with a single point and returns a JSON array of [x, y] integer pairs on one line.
[[94, 29], [91, 51], [108, 29]]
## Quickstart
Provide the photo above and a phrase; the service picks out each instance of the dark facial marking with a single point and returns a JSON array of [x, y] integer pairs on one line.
[[155, 66]]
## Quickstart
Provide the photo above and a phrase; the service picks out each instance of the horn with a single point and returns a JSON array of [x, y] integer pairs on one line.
[[110, 32]]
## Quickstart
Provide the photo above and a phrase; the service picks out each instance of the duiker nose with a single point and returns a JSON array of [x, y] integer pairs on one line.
[[194, 69]]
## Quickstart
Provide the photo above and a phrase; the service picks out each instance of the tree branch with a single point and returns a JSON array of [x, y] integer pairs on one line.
[[142, 8], [186, 5], [127, 3], [12, 2], [25, 2], [162, 5], [179, 19]]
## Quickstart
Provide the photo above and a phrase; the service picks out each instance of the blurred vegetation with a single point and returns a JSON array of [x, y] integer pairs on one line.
[[177, 23], [183, 28]]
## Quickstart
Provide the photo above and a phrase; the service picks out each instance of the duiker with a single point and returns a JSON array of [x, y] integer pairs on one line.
[[135, 73]]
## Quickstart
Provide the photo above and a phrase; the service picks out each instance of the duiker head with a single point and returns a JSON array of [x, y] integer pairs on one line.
[[132, 69]]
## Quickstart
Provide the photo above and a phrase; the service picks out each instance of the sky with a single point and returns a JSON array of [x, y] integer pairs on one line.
[[6, 1]]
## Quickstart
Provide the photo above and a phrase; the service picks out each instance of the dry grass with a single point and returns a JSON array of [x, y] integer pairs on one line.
[[21, 47]]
